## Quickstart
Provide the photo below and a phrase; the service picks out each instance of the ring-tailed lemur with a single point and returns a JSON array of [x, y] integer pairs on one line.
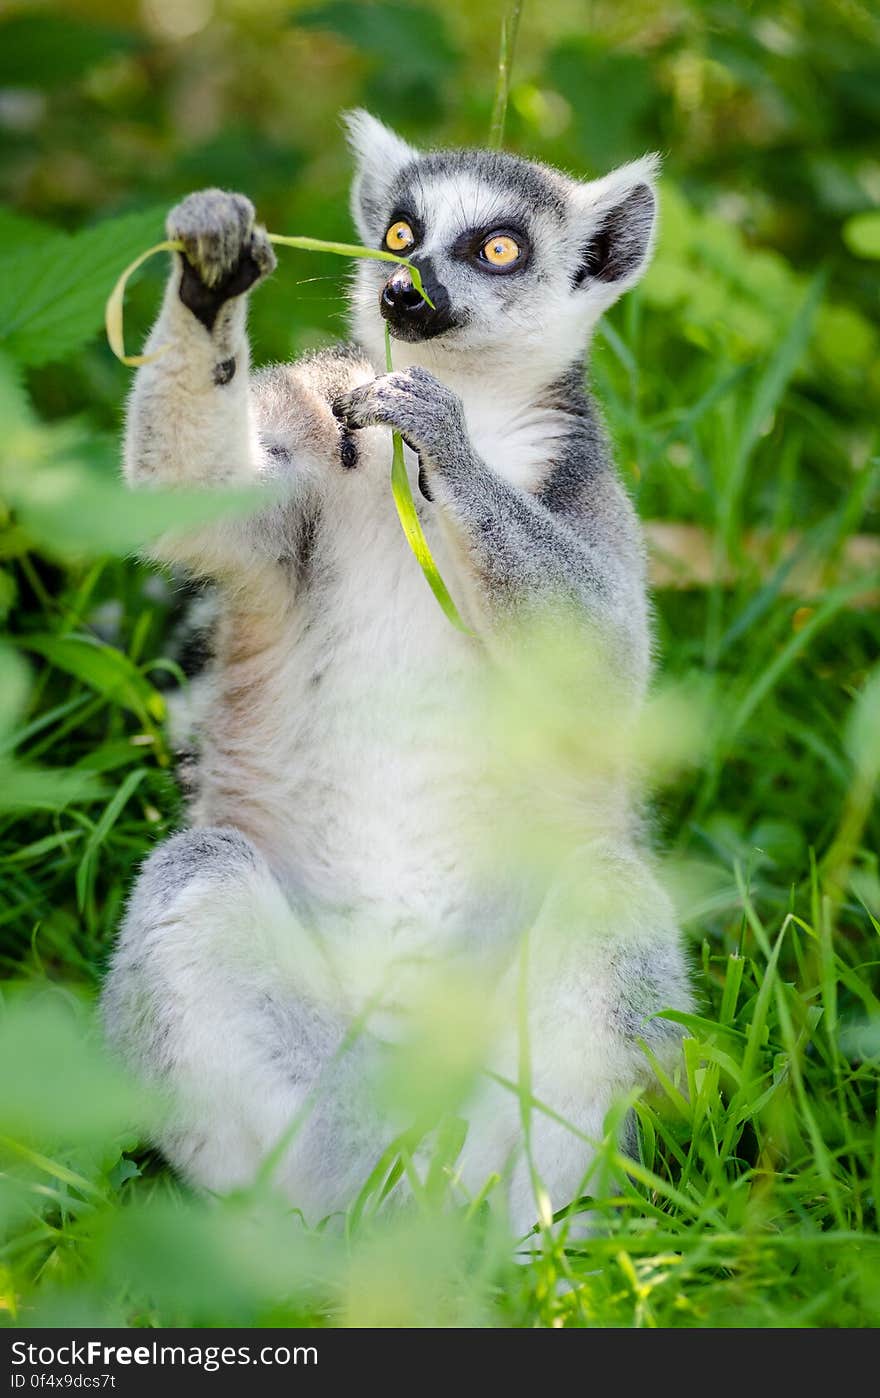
[[332, 861]]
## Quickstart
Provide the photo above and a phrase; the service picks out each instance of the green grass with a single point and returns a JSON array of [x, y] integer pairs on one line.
[[754, 1199]]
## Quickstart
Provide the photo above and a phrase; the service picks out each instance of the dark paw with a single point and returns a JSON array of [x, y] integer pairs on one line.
[[426, 413], [224, 252]]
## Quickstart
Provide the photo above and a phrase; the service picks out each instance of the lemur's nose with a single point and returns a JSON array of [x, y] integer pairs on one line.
[[399, 294]]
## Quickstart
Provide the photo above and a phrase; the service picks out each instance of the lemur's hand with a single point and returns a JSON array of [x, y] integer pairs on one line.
[[427, 414], [225, 252]]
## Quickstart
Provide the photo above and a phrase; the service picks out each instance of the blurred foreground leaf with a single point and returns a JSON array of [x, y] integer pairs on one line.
[[65, 502], [59, 1085], [861, 233]]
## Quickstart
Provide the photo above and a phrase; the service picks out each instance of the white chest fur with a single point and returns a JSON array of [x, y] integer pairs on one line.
[[345, 745]]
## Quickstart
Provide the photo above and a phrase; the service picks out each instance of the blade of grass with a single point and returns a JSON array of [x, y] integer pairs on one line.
[[86, 870], [509, 31], [411, 524]]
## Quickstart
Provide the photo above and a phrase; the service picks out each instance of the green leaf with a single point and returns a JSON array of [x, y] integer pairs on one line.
[[86, 869], [107, 757], [52, 296], [73, 508], [102, 668], [15, 683], [72, 511], [37, 850], [43, 788], [863, 730], [18, 231], [23, 787], [15, 408], [64, 1089]]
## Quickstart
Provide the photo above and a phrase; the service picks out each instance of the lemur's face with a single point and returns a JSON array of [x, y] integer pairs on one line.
[[515, 256]]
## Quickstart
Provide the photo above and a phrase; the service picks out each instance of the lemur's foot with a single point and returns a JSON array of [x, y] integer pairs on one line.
[[224, 252], [427, 414]]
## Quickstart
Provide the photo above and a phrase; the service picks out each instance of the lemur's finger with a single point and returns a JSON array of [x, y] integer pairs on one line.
[[391, 400], [263, 252], [357, 408]]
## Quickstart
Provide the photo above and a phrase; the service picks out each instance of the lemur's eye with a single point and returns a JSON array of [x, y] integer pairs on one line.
[[399, 236], [501, 250]]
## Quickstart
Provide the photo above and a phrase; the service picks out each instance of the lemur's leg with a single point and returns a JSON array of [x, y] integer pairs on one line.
[[602, 959], [520, 550], [218, 996]]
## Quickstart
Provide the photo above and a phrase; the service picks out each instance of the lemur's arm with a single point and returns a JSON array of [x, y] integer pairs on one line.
[[196, 416], [191, 417], [522, 553]]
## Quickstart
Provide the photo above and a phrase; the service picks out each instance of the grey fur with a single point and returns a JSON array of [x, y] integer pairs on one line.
[[521, 184]]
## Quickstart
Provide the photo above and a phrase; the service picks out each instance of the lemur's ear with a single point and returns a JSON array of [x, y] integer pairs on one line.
[[620, 211], [379, 154]]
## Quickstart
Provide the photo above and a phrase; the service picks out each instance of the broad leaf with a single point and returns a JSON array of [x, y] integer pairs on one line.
[[52, 296]]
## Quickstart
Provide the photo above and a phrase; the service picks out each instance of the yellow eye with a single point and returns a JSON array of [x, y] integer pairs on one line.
[[500, 250], [399, 236]]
